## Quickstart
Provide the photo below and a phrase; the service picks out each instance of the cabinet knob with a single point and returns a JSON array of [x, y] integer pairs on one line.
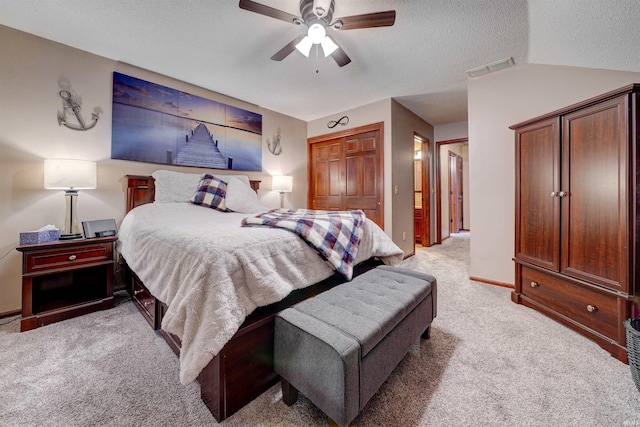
[[72, 258], [534, 284], [554, 193], [563, 194], [592, 308], [147, 303], [137, 291]]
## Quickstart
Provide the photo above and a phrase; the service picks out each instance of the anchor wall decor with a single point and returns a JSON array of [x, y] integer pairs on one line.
[[276, 148], [71, 103]]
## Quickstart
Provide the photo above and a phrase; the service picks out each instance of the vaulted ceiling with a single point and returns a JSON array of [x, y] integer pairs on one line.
[[420, 61]]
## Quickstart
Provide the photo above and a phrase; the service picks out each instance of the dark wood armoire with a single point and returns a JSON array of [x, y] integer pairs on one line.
[[576, 224]]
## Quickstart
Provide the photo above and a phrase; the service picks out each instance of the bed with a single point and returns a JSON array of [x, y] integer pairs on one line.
[[212, 288]]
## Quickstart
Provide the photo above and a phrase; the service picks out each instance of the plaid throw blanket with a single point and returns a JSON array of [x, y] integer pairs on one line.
[[335, 235]]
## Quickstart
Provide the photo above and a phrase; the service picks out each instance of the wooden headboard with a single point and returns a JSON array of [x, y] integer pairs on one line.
[[141, 189]]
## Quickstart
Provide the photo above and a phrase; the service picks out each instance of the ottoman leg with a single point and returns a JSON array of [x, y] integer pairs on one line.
[[289, 392], [427, 333]]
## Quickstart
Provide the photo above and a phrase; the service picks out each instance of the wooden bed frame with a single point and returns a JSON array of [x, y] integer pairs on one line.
[[244, 367]]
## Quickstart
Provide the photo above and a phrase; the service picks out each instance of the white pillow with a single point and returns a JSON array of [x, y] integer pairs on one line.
[[226, 178], [240, 196], [174, 187]]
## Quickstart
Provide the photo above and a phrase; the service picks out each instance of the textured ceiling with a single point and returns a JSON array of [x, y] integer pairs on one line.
[[420, 61]]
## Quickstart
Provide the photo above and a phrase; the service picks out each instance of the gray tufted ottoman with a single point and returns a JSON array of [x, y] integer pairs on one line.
[[338, 347]]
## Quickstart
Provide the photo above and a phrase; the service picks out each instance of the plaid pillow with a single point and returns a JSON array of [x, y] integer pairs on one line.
[[211, 193]]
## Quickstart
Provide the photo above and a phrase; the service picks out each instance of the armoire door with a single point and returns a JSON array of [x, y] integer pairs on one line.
[[595, 225], [345, 172], [537, 189]]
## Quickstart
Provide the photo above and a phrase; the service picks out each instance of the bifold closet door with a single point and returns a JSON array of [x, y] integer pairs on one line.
[[346, 174]]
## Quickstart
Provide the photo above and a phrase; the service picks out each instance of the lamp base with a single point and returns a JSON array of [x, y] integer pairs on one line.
[[70, 236], [71, 230]]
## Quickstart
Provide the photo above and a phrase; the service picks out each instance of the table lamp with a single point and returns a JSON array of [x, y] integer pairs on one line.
[[70, 175], [282, 184]]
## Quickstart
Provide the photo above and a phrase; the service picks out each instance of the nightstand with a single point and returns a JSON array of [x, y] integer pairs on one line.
[[65, 278]]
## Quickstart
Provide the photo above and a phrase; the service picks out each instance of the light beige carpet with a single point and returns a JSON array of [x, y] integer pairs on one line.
[[489, 362]]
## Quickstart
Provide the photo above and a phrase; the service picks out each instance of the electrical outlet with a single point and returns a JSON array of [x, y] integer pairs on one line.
[[404, 235]]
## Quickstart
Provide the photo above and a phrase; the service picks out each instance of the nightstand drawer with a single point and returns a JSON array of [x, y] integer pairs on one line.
[[595, 310], [69, 257]]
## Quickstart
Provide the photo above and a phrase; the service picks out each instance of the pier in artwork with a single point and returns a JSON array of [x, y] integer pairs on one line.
[[201, 150]]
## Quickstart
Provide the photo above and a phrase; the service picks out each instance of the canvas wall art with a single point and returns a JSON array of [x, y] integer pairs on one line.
[[157, 124]]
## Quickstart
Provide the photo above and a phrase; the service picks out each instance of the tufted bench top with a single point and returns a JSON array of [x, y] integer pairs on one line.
[[365, 309]]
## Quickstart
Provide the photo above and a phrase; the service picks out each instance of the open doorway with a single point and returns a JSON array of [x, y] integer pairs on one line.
[[455, 193], [421, 187], [443, 192]]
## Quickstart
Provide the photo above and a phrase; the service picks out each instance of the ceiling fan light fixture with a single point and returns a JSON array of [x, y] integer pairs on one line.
[[317, 33], [304, 46], [317, 15], [321, 7], [328, 46]]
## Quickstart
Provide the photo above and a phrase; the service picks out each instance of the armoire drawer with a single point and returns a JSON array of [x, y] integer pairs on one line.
[[593, 309]]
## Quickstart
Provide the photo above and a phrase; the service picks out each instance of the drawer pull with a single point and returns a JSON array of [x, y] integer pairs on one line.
[[147, 303], [72, 258], [592, 308], [534, 284], [137, 291]]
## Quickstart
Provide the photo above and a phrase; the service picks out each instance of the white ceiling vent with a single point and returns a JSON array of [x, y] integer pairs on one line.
[[494, 66]]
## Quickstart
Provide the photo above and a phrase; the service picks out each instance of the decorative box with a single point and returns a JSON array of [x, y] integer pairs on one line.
[[35, 237]]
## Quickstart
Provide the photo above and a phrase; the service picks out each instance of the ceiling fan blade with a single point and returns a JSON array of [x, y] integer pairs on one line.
[[269, 11], [339, 55], [288, 49], [367, 20]]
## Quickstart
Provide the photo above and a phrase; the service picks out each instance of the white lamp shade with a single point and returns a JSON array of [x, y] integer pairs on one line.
[[282, 183], [304, 46], [328, 46], [65, 174]]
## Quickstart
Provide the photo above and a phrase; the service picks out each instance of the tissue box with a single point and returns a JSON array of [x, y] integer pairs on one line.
[[35, 237]]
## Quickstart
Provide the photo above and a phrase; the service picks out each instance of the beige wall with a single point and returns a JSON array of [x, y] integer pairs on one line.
[[404, 125], [32, 71], [497, 101], [449, 131]]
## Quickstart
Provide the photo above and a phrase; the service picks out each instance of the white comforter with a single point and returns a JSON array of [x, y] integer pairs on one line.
[[213, 273]]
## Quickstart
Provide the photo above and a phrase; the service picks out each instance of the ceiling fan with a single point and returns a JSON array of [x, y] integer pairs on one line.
[[317, 15]]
